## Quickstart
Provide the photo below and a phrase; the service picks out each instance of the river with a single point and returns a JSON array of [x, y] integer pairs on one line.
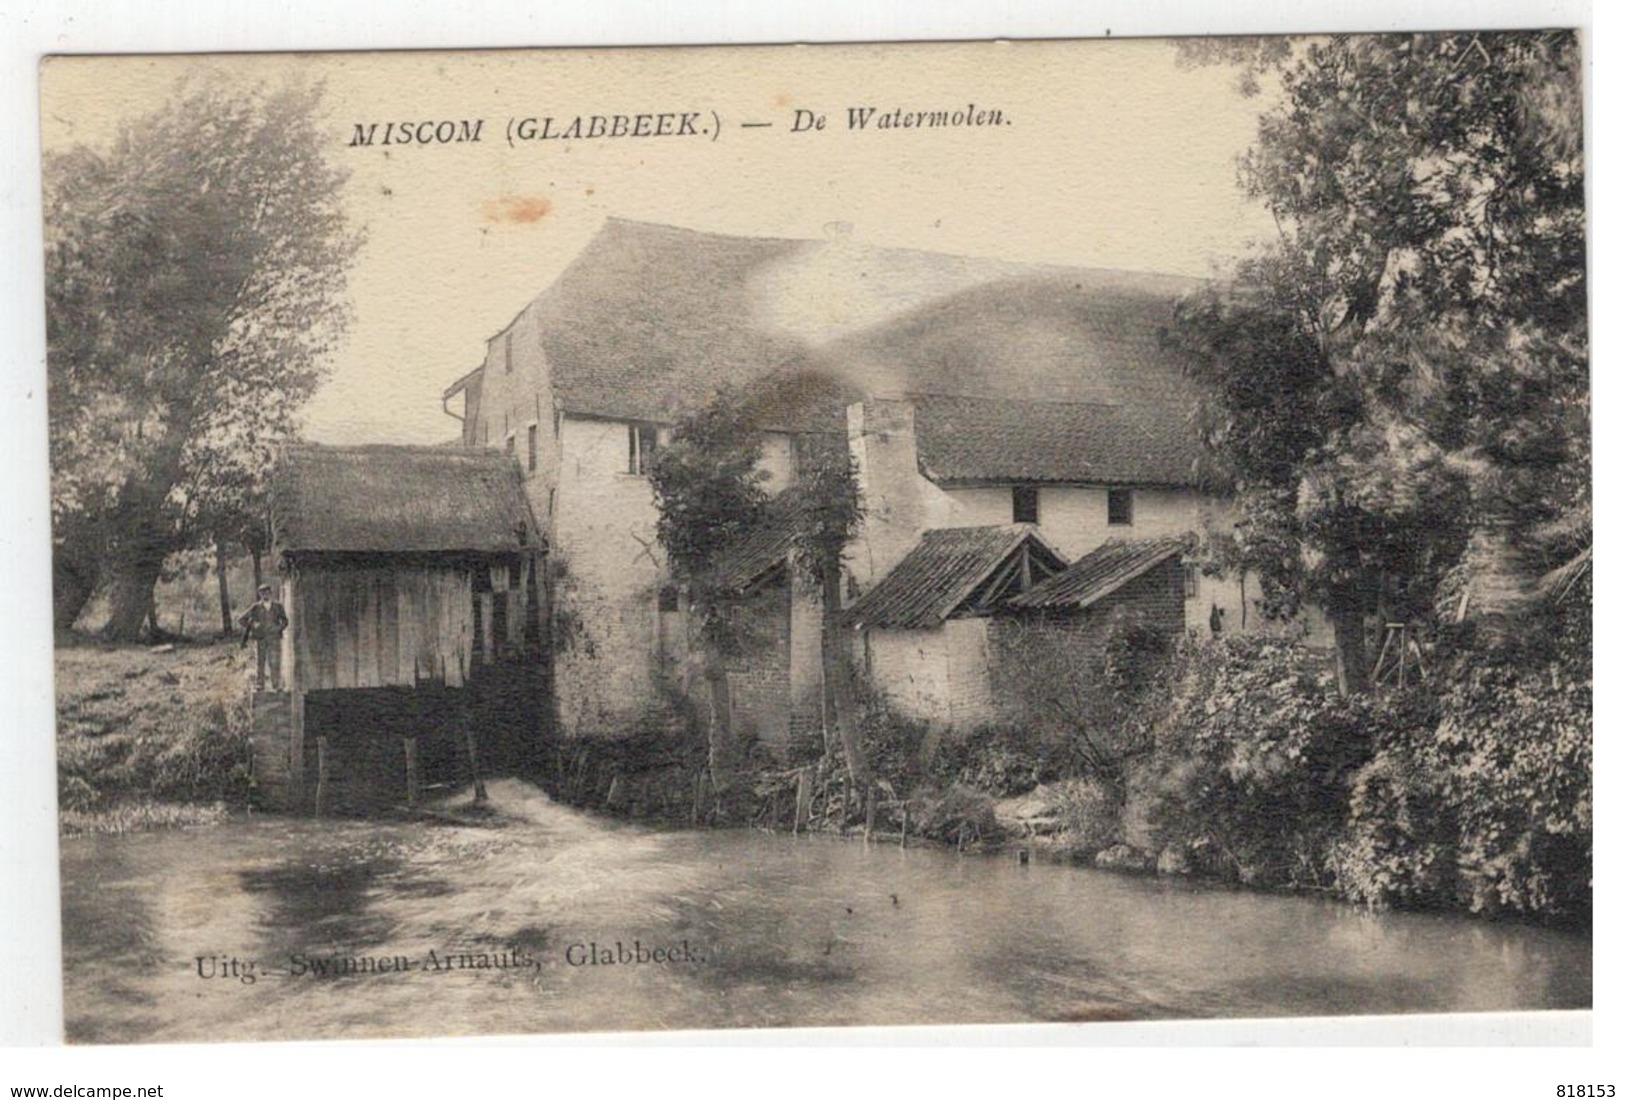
[[511, 926]]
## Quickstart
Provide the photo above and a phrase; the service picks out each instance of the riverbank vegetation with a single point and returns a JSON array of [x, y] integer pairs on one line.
[[150, 737]]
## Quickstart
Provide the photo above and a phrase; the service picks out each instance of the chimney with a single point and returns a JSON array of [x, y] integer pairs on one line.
[[880, 433]]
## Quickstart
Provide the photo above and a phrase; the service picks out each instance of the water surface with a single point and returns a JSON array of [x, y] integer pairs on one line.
[[765, 930]]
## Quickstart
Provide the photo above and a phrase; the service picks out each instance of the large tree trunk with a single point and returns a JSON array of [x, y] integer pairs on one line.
[[259, 566], [721, 752], [1346, 610], [719, 735], [73, 582], [141, 535], [840, 701], [130, 590], [225, 590]]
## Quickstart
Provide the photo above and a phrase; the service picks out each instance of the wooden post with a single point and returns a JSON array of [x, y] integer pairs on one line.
[[321, 776], [295, 650], [410, 744], [804, 797], [466, 721], [869, 813], [584, 768], [903, 841], [297, 771]]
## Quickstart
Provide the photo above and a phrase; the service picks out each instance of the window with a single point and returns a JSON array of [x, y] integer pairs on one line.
[[530, 442], [1190, 581], [1024, 504], [1120, 507], [641, 442]]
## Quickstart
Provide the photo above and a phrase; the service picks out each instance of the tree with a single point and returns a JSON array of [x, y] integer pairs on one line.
[[830, 512], [709, 488], [1407, 364], [195, 273]]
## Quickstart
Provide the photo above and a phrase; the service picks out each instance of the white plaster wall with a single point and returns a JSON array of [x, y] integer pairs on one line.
[[970, 688], [806, 703], [604, 535], [898, 502], [938, 676], [512, 400], [1073, 518], [911, 667]]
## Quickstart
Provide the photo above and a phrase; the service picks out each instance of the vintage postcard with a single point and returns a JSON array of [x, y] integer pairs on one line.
[[805, 536]]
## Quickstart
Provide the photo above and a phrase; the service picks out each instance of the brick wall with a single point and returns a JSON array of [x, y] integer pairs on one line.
[[1028, 655], [759, 674]]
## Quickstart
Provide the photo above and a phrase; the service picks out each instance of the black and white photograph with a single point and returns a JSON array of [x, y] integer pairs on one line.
[[1069, 532]]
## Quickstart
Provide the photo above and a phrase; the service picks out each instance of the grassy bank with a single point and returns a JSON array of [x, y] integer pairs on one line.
[[149, 738]]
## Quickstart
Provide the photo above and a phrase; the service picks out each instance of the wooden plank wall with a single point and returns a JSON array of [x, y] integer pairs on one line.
[[367, 628]]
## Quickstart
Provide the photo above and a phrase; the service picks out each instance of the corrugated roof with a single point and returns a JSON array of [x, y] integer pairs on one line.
[[1099, 573], [943, 570], [396, 499], [651, 321]]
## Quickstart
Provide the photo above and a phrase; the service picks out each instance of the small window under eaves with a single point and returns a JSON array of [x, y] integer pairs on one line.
[[1024, 504], [1120, 507]]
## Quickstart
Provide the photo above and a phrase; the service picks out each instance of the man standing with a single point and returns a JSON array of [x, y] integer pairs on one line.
[[264, 622]]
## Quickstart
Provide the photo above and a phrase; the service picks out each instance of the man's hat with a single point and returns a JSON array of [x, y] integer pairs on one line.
[[266, 588]]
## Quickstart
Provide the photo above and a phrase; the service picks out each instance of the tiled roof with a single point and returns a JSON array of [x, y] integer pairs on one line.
[[767, 546], [651, 321], [971, 439], [942, 572], [1063, 375], [1099, 573], [394, 499]]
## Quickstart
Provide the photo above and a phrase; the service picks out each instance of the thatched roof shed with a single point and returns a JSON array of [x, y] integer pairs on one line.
[[399, 500]]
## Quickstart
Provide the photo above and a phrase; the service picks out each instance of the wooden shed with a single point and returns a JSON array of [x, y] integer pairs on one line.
[[415, 654]]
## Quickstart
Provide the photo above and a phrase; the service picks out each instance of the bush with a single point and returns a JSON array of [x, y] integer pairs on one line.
[[1489, 808], [1471, 791], [1253, 756], [891, 741], [959, 815], [1000, 760], [1089, 816], [1395, 849]]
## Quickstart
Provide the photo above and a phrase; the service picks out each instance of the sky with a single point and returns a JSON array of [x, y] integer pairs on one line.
[[1109, 155]]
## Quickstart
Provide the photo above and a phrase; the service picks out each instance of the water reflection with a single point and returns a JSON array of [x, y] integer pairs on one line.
[[766, 930]]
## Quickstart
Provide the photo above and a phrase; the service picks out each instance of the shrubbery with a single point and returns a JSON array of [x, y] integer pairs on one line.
[[999, 759], [1472, 791], [1253, 752], [1089, 817], [1490, 808]]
